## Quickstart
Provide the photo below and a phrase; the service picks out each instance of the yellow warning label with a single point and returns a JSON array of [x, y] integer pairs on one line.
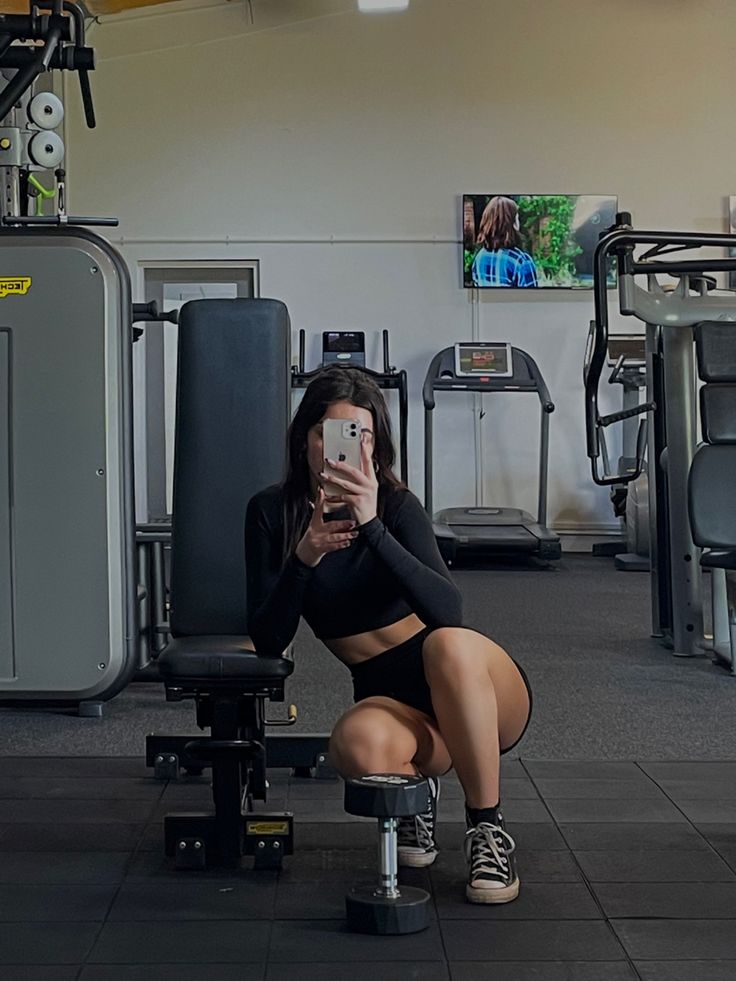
[[14, 286], [267, 827]]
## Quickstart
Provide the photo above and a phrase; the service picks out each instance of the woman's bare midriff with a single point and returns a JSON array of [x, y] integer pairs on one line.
[[362, 647]]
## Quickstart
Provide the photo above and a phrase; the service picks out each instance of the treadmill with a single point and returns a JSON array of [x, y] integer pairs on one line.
[[489, 367]]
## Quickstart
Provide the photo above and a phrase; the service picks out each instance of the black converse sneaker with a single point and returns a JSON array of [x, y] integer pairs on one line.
[[492, 874], [416, 845]]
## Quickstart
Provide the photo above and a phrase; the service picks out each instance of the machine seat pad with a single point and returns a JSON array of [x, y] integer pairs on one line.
[[226, 656], [719, 558]]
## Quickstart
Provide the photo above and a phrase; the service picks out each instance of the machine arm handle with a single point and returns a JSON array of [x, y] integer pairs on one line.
[[618, 368], [86, 90], [58, 220], [68, 58], [636, 410], [641, 445], [32, 27], [149, 313]]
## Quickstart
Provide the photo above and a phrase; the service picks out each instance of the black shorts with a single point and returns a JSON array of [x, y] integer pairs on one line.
[[399, 673]]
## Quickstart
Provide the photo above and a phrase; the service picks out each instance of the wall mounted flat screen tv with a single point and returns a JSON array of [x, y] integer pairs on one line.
[[534, 241]]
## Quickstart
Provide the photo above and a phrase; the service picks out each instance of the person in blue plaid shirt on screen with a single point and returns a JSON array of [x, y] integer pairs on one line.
[[501, 261]]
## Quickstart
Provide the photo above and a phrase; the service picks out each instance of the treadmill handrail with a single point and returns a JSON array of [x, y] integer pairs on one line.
[[544, 396], [428, 387]]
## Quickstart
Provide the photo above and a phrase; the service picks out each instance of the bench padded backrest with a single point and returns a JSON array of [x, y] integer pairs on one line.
[[718, 413], [711, 496], [715, 346], [232, 413]]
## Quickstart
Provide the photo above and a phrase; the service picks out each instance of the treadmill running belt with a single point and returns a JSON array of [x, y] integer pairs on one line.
[[515, 536]]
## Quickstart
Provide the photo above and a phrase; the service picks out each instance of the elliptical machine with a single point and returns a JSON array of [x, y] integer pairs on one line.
[[627, 359]]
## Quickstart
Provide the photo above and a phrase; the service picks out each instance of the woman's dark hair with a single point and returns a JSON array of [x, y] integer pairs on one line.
[[333, 384], [497, 229]]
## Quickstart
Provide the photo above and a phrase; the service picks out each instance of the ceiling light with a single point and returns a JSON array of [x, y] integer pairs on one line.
[[378, 6]]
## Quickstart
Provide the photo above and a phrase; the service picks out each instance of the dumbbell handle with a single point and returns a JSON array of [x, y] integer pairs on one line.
[[388, 859]]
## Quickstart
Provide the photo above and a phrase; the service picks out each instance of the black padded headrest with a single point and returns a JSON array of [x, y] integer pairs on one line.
[[711, 496], [718, 413], [715, 343], [232, 413]]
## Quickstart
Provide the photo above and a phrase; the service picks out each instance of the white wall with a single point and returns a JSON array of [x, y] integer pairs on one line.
[[318, 123]]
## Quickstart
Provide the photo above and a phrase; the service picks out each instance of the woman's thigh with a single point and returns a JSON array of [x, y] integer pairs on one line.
[[392, 723], [513, 698]]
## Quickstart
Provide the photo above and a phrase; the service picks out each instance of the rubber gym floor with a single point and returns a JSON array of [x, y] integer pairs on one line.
[[621, 798]]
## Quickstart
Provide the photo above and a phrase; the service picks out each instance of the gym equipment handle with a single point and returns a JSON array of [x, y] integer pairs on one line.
[[149, 313], [284, 722], [89, 109], [65, 59], [618, 369], [637, 410], [57, 220], [31, 27]]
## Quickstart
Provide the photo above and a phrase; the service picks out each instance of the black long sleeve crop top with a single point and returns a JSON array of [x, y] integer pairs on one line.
[[392, 569]]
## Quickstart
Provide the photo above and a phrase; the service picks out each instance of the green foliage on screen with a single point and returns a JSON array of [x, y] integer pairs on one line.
[[546, 222]]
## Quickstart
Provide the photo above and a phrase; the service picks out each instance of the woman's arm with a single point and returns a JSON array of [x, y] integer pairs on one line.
[[275, 593], [410, 551], [275, 589]]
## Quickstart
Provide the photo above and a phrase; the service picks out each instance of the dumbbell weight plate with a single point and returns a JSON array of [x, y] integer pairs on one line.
[[386, 795], [369, 913]]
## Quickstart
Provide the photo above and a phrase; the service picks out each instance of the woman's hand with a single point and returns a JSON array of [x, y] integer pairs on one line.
[[360, 487], [322, 537]]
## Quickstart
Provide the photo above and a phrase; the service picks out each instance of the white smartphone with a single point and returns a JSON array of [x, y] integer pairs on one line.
[[341, 440]]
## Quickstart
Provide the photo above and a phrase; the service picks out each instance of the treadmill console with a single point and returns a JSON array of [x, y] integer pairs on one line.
[[483, 359], [343, 347], [632, 347]]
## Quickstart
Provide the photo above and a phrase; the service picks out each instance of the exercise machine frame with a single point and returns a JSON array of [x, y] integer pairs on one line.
[[671, 431]]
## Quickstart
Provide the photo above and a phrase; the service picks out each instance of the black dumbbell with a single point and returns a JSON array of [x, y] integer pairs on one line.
[[387, 909]]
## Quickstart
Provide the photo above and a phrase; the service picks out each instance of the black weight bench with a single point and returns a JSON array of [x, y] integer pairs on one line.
[[231, 685], [232, 412]]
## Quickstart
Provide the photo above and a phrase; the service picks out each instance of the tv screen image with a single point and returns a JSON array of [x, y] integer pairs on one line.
[[534, 241]]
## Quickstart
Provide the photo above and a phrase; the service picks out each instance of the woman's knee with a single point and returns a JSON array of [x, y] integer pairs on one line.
[[455, 653], [368, 740]]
